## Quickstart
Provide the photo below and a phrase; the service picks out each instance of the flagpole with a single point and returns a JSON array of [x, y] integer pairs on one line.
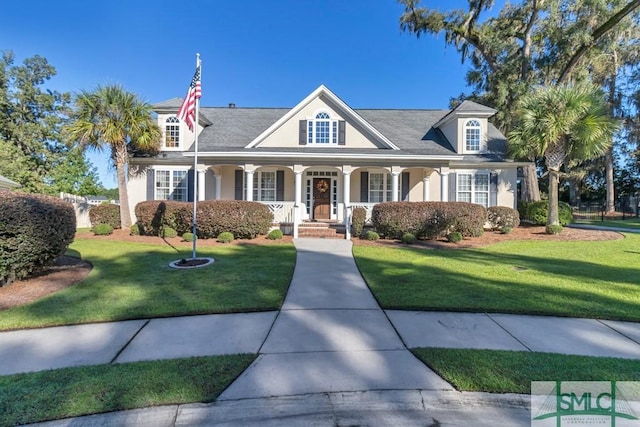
[[195, 163]]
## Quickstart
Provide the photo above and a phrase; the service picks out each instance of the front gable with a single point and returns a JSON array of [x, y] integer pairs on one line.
[[322, 120]]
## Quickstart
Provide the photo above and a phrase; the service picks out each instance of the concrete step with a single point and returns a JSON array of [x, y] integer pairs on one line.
[[321, 230]]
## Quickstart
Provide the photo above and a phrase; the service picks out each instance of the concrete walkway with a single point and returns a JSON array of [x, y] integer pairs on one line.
[[330, 356]]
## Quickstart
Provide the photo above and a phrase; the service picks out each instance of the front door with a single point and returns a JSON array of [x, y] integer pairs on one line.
[[321, 198]]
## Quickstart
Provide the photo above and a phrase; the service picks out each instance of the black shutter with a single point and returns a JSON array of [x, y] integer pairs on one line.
[[303, 132], [190, 185], [452, 187], [151, 184], [405, 187], [239, 183], [364, 187], [493, 189], [341, 132], [280, 186]]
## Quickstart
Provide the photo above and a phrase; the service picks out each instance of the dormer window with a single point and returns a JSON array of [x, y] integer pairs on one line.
[[472, 136], [322, 129], [172, 133]]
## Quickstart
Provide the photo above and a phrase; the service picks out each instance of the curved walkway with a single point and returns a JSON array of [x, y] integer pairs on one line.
[[330, 356]]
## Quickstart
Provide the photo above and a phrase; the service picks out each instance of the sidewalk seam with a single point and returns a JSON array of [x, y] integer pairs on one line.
[[129, 342], [617, 331], [507, 331]]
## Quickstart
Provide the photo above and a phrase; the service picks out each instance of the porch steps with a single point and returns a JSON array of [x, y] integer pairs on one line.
[[322, 230]]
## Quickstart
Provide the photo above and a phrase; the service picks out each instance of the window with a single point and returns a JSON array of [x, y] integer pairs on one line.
[[322, 130], [472, 135], [172, 133], [379, 187], [171, 185], [473, 188], [264, 186]]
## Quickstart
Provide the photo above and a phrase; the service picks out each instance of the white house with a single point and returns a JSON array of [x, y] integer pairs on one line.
[[315, 161]]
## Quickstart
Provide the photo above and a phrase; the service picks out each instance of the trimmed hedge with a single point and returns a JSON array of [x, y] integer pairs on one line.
[[502, 217], [102, 229], [537, 212], [245, 220], [275, 235], [34, 230], [430, 220], [358, 218], [105, 214]]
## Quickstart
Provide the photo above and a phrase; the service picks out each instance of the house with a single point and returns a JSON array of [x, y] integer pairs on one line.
[[7, 184], [321, 158]]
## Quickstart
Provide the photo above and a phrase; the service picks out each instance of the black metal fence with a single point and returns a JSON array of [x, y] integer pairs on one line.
[[626, 207]]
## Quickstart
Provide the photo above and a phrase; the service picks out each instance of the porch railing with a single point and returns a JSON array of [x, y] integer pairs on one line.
[[367, 207], [283, 212]]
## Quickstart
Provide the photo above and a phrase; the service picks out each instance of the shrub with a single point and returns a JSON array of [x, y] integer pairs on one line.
[[506, 230], [372, 235], [537, 212], [134, 230], [454, 237], [358, 218], [153, 215], [187, 237], [275, 235], [105, 214], [225, 237], [408, 238], [34, 230], [553, 229], [168, 232], [102, 229], [501, 217]]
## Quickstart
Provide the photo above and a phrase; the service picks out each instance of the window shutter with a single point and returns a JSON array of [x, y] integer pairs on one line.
[[303, 132], [151, 184], [452, 187], [190, 185], [364, 187], [280, 186], [405, 187], [239, 184], [493, 189], [341, 132]]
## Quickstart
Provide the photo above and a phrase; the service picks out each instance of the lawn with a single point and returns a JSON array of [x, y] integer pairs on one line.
[[134, 281], [72, 392], [630, 223], [598, 279], [497, 371]]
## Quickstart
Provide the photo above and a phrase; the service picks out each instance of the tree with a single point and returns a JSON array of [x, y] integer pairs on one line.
[[561, 123], [112, 118]]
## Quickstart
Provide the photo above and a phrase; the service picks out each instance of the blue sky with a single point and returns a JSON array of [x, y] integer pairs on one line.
[[255, 53]]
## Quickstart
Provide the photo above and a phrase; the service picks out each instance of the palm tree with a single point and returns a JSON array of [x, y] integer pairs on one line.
[[567, 122], [114, 118]]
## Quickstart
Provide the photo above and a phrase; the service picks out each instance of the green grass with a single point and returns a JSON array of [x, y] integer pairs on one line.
[[132, 281], [498, 371], [576, 279], [72, 392], [630, 223]]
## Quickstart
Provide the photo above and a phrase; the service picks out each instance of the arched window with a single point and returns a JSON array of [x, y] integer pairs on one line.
[[472, 135], [172, 132], [322, 129]]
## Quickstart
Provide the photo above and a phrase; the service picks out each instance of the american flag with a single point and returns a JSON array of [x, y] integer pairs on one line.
[[188, 107]]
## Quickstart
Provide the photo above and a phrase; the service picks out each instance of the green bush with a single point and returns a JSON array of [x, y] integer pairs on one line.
[[553, 229], [225, 237], [102, 229], [105, 214], [358, 218], [168, 232], [408, 238], [187, 237], [372, 235], [153, 215], [536, 212], [501, 217], [34, 231], [274, 235], [506, 230], [454, 237], [134, 230]]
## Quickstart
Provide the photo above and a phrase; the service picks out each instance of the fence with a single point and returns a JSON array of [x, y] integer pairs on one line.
[[626, 207]]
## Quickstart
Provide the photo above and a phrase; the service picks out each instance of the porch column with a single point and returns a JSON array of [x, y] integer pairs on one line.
[[297, 214], [201, 173], [218, 187], [346, 189], [394, 186], [249, 189], [426, 182], [444, 186]]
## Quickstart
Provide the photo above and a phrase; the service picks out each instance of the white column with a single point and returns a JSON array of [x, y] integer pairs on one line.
[[218, 188], [297, 211], [201, 174], [298, 187], [426, 182], [394, 186], [249, 190], [444, 187], [346, 189]]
